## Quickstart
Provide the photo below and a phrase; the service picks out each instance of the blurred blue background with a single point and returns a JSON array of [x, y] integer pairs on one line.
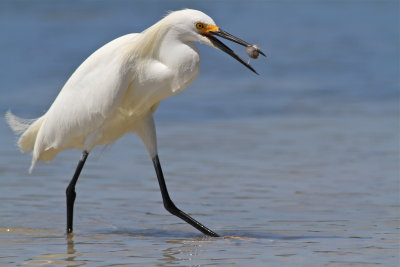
[[300, 162], [324, 56]]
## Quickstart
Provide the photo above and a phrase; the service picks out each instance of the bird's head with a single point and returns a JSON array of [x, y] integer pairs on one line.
[[195, 26]]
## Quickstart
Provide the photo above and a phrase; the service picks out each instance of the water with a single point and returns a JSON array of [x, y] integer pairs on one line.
[[296, 167]]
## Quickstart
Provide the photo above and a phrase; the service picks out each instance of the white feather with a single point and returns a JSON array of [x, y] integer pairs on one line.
[[116, 89], [18, 125]]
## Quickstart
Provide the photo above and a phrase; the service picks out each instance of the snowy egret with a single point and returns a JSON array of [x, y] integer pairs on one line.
[[117, 89]]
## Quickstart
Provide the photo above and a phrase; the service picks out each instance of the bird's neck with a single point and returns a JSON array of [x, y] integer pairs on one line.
[[179, 55]]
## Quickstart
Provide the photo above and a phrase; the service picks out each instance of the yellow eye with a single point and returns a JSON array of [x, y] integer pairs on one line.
[[200, 26]]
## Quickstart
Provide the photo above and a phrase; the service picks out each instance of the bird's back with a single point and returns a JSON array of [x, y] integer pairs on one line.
[[112, 91], [82, 105]]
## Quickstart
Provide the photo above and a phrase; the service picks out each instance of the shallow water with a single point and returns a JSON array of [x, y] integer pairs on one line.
[[296, 167]]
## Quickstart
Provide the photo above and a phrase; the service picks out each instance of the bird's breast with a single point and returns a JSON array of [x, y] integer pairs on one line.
[[159, 78], [182, 60]]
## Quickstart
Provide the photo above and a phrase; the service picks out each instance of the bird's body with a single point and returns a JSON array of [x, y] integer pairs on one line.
[[117, 89], [107, 97]]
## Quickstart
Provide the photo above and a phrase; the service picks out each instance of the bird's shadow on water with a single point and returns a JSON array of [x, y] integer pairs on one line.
[[240, 235], [270, 236], [161, 233]]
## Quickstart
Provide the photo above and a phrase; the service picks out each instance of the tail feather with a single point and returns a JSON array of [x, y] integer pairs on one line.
[[18, 125], [28, 130]]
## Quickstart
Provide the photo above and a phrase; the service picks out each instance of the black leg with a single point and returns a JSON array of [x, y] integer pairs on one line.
[[70, 192], [170, 206]]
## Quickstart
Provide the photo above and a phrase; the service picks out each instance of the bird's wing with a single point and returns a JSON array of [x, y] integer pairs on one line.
[[89, 96]]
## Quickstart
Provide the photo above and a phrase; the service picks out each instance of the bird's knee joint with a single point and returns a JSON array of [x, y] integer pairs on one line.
[[171, 208], [70, 192]]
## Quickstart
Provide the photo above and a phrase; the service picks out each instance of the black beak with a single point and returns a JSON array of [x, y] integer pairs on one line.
[[217, 43]]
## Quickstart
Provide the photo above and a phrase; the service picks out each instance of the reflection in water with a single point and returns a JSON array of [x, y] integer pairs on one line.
[[170, 255], [189, 251], [288, 164], [182, 251], [46, 257], [71, 252]]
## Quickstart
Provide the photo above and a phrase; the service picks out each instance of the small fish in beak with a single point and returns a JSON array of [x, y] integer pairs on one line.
[[253, 51]]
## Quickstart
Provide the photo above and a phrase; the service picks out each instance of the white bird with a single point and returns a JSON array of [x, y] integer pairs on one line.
[[116, 91]]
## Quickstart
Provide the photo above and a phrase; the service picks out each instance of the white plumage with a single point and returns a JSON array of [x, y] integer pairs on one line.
[[116, 89]]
